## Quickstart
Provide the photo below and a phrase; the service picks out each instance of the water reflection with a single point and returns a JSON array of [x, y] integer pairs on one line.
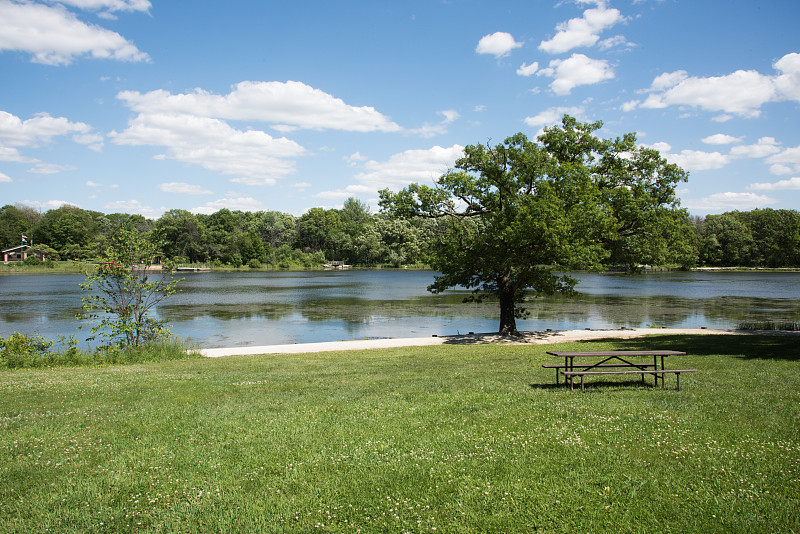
[[232, 309]]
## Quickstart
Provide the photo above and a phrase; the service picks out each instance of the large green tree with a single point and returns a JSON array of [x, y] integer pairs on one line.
[[518, 213]]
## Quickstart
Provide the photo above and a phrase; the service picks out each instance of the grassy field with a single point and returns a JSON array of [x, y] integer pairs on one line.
[[433, 439]]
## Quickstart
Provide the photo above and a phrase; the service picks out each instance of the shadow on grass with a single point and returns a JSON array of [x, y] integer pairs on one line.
[[597, 383], [749, 346]]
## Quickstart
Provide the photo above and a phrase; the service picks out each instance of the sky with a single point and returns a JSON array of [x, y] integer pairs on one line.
[[144, 106]]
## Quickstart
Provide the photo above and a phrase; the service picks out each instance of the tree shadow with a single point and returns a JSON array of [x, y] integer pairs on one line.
[[486, 338], [758, 345]]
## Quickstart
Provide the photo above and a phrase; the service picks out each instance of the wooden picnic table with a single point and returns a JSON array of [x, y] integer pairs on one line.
[[615, 362]]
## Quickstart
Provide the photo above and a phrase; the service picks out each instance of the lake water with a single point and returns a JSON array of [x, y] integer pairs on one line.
[[264, 308]]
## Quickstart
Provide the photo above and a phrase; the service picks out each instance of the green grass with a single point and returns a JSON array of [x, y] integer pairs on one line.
[[428, 439]]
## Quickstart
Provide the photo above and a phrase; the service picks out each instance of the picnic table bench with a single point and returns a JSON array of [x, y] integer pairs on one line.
[[615, 362]]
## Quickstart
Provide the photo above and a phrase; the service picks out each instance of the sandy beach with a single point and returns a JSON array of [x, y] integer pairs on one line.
[[535, 338]]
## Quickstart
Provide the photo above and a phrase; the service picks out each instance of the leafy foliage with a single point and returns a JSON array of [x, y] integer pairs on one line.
[[517, 212], [122, 290]]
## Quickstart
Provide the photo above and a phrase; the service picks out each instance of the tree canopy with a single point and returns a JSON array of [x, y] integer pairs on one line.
[[517, 213]]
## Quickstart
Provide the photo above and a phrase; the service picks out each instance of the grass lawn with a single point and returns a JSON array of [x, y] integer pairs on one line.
[[421, 439]]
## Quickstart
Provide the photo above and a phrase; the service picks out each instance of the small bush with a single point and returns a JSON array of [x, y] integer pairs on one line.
[[32, 261], [22, 351], [254, 264]]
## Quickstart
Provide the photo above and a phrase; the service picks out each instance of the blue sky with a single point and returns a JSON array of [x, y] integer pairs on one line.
[[142, 106]]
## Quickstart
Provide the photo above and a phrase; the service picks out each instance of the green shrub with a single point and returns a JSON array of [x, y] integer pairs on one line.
[[21, 351]]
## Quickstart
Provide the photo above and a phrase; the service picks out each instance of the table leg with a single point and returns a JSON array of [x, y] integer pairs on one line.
[[655, 368], [568, 365]]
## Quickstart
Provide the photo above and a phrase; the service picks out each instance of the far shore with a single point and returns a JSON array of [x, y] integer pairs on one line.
[[533, 338], [69, 267]]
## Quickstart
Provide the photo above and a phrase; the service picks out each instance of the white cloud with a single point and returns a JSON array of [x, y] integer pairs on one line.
[[90, 183], [284, 105], [611, 42], [552, 116], [786, 161], [730, 201], [498, 44], [741, 93], [431, 130], [233, 203], [697, 160], [47, 204], [792, 184], [765, 146], [583, 31], [11, 154], [401, 169], [781, 169], [183, 188], [134, 207], [660, 146], [354, 159], [788, 82], [49, 168], [668, 79], [36, 131], [54, 36], [347, 192], [721, 139], [4, 178], [528, 70], [252, 157], [92, 140], [109, 5], [574, 71]]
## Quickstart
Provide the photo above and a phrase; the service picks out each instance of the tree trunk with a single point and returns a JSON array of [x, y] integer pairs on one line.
[[508, 321]]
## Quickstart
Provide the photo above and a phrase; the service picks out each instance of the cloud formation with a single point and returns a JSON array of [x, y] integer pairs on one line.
[[54, 36], [421, 166], [574, 71], [194, 126], [584, 31], [792, 184], [251, 157], [740, 93], [286, 106], [498, 44]]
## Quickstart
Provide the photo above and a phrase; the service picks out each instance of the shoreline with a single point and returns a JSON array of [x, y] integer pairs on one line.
[[533, 338]]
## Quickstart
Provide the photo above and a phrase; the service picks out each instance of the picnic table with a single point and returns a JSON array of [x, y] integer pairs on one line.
[[615, 362]]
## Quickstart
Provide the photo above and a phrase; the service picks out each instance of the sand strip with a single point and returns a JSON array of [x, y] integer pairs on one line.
[[469, 339]]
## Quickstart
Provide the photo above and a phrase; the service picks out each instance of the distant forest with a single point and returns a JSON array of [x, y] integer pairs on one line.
[[354, 235]]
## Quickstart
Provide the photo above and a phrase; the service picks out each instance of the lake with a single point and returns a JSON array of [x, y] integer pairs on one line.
[[265, 308]]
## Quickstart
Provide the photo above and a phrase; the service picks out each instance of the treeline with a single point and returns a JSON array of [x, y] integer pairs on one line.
[[352, 234], [758, 238], [234, 238]]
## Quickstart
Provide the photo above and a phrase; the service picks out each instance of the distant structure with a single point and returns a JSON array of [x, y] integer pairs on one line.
[[336, 265], [21, 252]]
